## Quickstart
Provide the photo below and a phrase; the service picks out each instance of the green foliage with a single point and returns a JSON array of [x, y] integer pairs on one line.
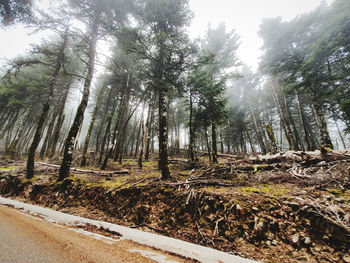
[[210, 74], [310, 53]]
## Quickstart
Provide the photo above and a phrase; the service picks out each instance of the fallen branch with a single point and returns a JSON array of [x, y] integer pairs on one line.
[[87, 171], [202, 182]]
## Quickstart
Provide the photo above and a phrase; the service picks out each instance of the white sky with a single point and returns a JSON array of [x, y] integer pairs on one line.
[[245, 17], [242, 15]]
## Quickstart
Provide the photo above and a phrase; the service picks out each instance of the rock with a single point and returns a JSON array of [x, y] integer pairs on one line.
[[259, 224], [274, 242], [270, 235], [295, 238], [268, 242], [307, 240], [346, 258]]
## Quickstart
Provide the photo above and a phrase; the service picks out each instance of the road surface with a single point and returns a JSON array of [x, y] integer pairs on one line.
[[25, 238]]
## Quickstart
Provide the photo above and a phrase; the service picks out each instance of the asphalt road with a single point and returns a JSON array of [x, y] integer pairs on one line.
[[27, 239]]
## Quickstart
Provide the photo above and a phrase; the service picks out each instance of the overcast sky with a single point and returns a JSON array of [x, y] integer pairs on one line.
[[245, 17], [242, 15]]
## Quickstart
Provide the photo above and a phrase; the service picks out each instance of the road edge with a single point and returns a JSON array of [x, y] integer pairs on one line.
[[176, 246]]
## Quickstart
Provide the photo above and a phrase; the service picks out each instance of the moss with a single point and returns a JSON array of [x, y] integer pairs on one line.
[[335, 192], [150, 164], [251, 189], [77, 180], [216, 189], [274, 190], [260, 167], [8, 168], [26, 180]]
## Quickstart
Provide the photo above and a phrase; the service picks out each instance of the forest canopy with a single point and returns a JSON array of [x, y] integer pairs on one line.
[[160, 91]]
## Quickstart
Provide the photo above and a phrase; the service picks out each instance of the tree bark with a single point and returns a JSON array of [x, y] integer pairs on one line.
[[286, 124], [45, 110], [59, 123], [307, 136], [213, 141], [208, 144], [163, 136], [272, 137], [91, 126], [44, 147], [144, 137], [321, 121], [150, 132], [192, 134], [257, 129], [70, 140]]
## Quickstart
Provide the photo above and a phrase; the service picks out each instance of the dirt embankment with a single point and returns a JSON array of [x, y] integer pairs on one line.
[[288, 220]]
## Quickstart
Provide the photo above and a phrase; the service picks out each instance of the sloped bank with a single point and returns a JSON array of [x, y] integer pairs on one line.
[[270, 229]]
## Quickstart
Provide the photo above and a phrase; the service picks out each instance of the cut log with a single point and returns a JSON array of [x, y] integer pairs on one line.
[[305, 158]]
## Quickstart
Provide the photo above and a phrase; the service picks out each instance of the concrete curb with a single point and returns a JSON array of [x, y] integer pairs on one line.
[[179, 247]]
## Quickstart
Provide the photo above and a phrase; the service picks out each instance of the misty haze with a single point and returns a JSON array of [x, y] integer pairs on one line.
[[225, 124]]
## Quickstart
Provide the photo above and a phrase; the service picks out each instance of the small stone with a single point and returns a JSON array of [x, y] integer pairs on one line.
[[255, 208], [307, 240], [295, 238], [268, 242], [274, 242]]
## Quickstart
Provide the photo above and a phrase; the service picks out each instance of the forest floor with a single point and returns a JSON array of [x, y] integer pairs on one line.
[[278, 208]]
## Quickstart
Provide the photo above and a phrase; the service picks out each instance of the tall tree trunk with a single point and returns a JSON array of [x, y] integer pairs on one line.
[[250, 142], [14, 144], [339, 132], [133, 136], [121, 125], [59, 123], [91, 126], [149, 132], [286, 124], [228, 138], [104, 142], [207, 144], [321, 121], [295, 132], [213, 141], [48, 136], [138, 134], [163, 136], [104, 119], [106, 139], [272, 137], [145, 134], [46, 108], [176, 130], [70, 140], [192, 134], [257, 128], [307, 137]]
